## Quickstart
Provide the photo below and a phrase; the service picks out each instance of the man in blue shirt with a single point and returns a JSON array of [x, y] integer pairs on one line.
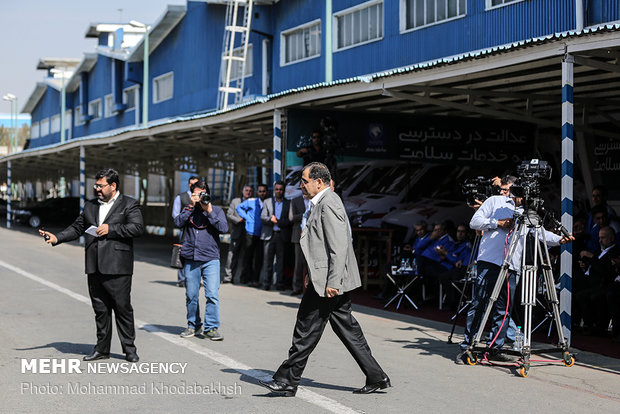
[[201, 223], [432, 262], [458, 257], [252, 261]]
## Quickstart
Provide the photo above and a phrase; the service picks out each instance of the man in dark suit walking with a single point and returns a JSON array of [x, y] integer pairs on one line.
[[110, 222], [326, 244]]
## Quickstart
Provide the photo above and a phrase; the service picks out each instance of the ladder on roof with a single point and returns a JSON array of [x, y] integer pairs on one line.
[[234, 52]]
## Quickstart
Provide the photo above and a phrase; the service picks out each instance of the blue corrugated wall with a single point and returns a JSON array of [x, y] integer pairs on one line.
[[193, 50]]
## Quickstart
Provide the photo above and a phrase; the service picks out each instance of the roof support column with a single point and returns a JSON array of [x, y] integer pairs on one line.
[[328, 41], [63, 108], [566, 257], [9, 194], [578, 15], [82, 182], [277, 145]]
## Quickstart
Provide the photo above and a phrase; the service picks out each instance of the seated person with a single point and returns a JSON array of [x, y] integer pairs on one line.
[[599, 280], [601, 219], [459, 258], [433, 257], [599, 198], [422, 235]]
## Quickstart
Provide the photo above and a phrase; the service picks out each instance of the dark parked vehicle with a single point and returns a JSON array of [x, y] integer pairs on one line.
[[57, 211]]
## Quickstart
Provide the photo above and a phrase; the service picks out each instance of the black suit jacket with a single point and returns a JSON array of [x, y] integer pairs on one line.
[[601, 271], [111, 254], [298, 208]]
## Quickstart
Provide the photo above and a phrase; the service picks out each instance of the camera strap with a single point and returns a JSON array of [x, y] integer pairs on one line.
[[182, 236]]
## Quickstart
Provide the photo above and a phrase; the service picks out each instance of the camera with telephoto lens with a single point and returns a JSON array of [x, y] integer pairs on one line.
[[205, 198], [478, 188]]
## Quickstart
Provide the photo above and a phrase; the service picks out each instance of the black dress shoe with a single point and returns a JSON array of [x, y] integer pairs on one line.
[[132, 357], [280, 388], [368, 388], [95, 356]]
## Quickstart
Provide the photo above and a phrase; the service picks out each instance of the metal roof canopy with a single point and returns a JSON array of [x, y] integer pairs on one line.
[[522, 82]]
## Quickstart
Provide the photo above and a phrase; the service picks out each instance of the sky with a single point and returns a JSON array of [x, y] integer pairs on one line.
[[5, 120], [32, 29]]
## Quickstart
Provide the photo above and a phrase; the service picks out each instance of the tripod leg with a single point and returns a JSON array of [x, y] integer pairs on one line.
[[470, 275], [460, 306], [552, 296], [528, 299], [499, 284]]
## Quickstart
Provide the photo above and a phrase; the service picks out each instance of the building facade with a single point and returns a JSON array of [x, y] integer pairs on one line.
[[292, 44]]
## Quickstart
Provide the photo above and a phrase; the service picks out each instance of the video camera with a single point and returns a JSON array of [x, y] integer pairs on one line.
[[478, 188], [530, 174]]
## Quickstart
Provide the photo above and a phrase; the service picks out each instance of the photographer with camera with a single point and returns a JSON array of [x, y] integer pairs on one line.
[[496, 217], [201, 224]]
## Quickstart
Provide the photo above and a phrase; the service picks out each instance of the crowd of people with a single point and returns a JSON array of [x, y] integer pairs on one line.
[[265, 231]]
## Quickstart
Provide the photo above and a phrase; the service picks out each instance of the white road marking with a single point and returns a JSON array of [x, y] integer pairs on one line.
[[302, 393]]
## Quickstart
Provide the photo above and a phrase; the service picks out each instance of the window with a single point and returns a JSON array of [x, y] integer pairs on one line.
[[109, 106], [499, 3], [300, 43], [235, 71], [358, 25], [55, 124], [45, 127], [163, 87], [78, 116], [419, 13], [34, 130], [68, 114], [129, 97], [94, 109]]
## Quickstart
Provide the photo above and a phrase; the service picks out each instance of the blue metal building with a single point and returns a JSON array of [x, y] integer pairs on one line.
[[288, 48]]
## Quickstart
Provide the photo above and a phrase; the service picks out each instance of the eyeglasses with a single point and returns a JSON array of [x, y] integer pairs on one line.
[[504, 190], [100, 186]]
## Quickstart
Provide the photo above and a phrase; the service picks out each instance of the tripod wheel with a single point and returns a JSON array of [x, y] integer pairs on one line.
[[524, 372], [471, 360], [569, 362]]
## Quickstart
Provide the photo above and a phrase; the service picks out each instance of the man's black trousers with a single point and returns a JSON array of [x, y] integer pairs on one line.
[[312, 316], [112, 293], [273, 247]]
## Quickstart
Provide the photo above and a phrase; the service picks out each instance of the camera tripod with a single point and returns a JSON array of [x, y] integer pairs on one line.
[[528, 222], [470, 276]]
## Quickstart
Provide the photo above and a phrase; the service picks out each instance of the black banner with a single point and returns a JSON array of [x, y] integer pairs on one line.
[[416, 138]]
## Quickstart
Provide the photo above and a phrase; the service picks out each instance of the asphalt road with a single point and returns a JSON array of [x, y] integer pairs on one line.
[[47, 325]]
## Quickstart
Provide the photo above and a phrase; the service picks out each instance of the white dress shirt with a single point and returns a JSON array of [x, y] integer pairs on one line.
[[105, 207]]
